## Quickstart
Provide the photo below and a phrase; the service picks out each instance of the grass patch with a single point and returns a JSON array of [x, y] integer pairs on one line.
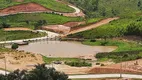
[[122, 46], [29, 20], [51, 4], [16, 35], [50, 60]]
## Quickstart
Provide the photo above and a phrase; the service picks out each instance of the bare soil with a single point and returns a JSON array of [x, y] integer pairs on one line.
[[27, 7], [57, 28], [17, 29], [134, 66], [19, 60], [73, 24], [71, 70]]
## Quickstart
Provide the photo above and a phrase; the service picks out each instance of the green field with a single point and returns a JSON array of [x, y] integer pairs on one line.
[[16, 35], [51, 4], [29, 20], [122, 46]]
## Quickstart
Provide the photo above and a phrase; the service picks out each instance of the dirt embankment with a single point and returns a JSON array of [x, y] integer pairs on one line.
[[37, 8], [27, 7], [134, 66]]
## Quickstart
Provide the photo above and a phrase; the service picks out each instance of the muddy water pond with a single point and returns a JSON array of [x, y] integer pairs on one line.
[[64, 49]]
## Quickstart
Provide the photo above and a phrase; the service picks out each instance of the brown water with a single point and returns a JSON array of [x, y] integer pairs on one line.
[[64, 49]]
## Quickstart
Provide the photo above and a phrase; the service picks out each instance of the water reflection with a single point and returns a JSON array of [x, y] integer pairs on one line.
[[64, 48]]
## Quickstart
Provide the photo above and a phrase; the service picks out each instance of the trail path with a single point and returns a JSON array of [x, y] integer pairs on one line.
[[95, 25]]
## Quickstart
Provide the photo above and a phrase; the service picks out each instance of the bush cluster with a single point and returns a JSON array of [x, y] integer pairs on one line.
[[78, 64]]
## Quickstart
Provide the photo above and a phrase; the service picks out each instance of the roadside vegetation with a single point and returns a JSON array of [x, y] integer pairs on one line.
[[78, 63], [35, 20], [75, 62], [16, 35], [120, 56], [51, 4]]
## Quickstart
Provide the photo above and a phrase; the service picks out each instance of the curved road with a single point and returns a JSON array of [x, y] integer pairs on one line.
[[105, 76]]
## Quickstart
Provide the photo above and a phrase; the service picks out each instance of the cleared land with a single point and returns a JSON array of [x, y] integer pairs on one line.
[[18, 59]]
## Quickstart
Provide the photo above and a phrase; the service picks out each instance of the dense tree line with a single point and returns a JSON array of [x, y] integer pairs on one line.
[[41, 72]]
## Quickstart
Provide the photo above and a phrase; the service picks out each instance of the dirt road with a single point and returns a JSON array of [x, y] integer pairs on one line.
[[100, 23]]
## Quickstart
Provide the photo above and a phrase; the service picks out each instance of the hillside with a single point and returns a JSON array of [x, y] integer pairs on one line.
[[107, 8], [129, 12], [51, 4]]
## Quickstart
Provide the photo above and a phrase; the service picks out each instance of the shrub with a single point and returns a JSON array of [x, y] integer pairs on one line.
[[14, 46], [78, 64], [97, 63], [102, 65]]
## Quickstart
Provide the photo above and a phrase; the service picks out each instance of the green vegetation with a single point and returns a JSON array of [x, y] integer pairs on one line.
[[93, 20], [14, 46], [51, 4], [16, 35], [33, 20], [108, 8], [40, 72], [120, 56], [50, 60], [117, 28], [78, 63], [122, 46]]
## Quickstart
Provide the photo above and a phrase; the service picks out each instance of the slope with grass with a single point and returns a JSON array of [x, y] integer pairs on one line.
[[107, 8], [51, 4], [16, 35], [30, 20]]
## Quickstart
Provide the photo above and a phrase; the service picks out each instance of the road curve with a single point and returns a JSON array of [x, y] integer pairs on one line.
[[105, 76]]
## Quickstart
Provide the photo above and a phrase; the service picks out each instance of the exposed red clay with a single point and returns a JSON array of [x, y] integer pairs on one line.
[[27, 7]]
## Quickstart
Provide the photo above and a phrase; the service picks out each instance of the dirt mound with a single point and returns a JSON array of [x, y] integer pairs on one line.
[[103, 70], [57, 28], [27, 7], [73, 24]]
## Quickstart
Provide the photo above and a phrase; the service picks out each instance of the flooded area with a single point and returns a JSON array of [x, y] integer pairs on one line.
[[64, 49]]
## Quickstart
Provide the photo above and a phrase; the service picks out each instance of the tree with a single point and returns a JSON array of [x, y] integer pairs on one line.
[[40, 23], [14, 46], [4, 25], [139, 3], [41, 72]]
